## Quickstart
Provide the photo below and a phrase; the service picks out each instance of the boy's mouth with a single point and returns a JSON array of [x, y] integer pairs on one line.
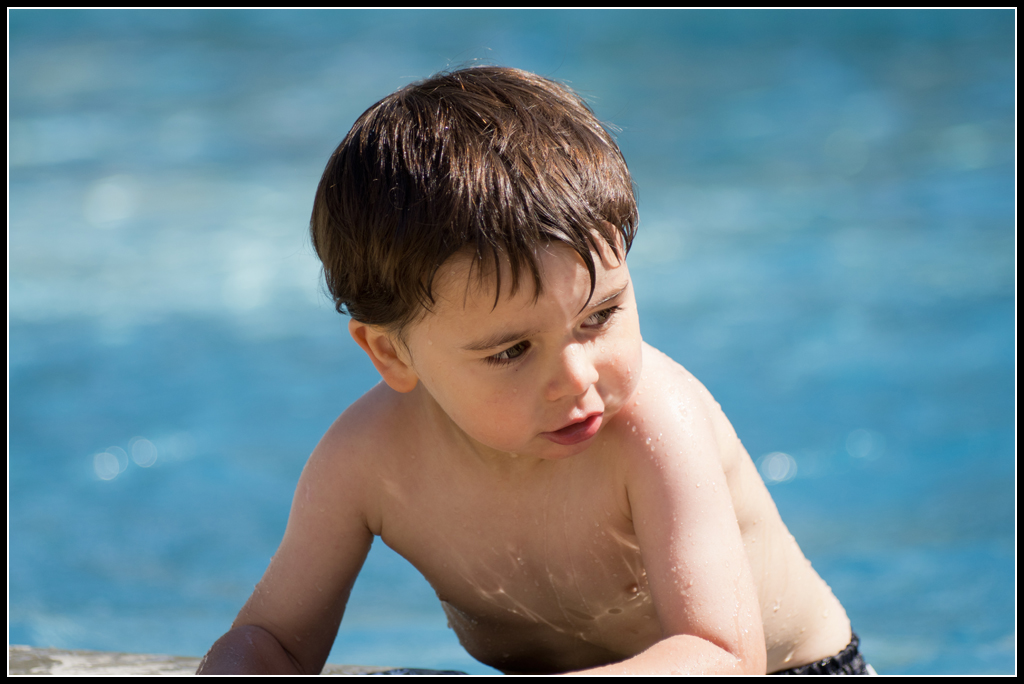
[[576, 432]]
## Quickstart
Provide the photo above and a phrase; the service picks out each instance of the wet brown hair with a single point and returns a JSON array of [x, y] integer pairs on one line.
[[490, 161]]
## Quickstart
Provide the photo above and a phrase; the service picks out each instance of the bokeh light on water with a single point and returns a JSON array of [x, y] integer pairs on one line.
[[777, 467], [826, 242]]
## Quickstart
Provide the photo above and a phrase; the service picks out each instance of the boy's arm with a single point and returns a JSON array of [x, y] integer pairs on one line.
[[248, 650], [698, 572], [289, 623]]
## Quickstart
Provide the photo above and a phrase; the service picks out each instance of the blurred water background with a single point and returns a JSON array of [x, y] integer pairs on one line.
[[827, 241]]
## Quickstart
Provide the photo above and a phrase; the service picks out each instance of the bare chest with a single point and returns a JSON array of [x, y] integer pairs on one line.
[[533, 579]]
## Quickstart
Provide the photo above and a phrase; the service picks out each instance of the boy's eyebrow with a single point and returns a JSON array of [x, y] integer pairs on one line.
[[610, 297], [508, 337], [498, 340]]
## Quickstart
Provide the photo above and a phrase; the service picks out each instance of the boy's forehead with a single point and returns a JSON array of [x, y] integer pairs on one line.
[[467, 282], [468, 276]]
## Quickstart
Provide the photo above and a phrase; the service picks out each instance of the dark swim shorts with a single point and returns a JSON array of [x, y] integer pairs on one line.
[[847, 662]]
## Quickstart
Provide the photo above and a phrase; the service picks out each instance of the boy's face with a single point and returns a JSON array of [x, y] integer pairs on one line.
[[533, 377]]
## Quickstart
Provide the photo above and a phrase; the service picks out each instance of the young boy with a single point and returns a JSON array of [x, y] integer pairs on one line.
[[577, 499]]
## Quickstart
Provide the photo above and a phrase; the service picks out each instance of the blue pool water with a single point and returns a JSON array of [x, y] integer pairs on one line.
[[827, 241]]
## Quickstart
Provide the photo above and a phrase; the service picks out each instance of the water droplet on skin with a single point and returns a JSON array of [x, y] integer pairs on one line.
[[648, 440], [634, 428]]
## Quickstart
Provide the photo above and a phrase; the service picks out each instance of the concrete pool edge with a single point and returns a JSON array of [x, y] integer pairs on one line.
[[30, 660]]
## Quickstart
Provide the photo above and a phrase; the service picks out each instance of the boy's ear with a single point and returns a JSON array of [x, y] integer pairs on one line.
[[381, 349]]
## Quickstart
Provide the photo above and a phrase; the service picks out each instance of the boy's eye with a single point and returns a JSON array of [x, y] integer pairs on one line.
[[600, 318], [509, 355]]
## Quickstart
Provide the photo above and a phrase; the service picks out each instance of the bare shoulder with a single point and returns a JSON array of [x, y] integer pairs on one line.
[[680, 400], [365, 421], [675, 427], [668, 376], [360, 443], [686, 402]]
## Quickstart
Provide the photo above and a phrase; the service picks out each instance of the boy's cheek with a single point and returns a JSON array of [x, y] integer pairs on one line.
[[628, 352], [490, 411]]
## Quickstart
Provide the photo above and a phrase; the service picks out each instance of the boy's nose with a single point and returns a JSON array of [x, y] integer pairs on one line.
[[576, 373]]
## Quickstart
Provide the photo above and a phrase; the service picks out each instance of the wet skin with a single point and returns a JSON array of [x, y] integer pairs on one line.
[[576, 498]]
